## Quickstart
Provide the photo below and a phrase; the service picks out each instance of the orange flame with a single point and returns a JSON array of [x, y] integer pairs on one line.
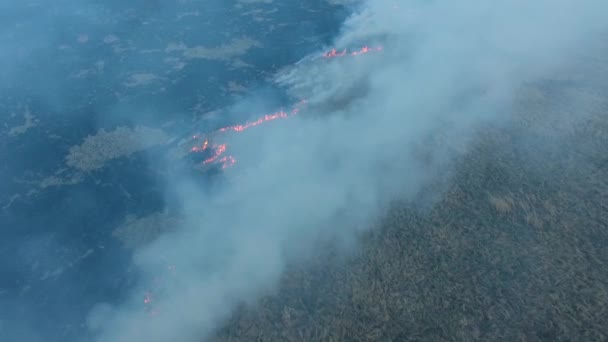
[[227, 162], [334, 53], [201, 148], [219, 150], [363, 50], [268, 117]]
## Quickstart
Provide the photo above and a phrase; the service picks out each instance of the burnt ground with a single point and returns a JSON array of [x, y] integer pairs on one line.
[[515, 248]]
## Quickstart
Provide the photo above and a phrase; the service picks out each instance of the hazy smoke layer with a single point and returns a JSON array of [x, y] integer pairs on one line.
[[377, 128]]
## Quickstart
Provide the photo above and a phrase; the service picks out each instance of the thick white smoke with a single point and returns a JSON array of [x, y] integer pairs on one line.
[[378, 128]]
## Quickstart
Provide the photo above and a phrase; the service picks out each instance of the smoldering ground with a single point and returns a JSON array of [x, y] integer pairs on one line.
[[446, 69]]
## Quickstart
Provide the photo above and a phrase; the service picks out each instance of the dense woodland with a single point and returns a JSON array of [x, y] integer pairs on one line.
[[514, 248]]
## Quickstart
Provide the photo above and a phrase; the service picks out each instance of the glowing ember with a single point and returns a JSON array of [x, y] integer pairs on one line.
[[335, 53], [227, 161], [218, 151], [148, 305], [265, 118], [201, 148], [159, 283], [268, 117], [365, 49]]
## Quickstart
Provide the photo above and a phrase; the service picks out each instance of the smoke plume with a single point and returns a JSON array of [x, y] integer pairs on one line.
[[377, 127]]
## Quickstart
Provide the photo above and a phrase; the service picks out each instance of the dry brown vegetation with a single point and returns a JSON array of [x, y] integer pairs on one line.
[[515, 249]]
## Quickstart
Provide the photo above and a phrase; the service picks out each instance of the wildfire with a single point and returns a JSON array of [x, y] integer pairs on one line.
[[363, 50], [201, 148], [268, 117], [148, 304], [334, 53], [218, 150], [157, 286], [227, 161], [218, 155]]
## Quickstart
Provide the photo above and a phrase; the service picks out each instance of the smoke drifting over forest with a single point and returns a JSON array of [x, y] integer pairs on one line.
[[445, 68], [376, 127]]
